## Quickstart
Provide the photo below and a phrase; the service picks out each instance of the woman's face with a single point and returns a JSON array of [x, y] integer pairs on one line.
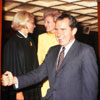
[[49, 23]]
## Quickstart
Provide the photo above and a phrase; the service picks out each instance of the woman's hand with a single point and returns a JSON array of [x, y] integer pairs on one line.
[[19, 96]]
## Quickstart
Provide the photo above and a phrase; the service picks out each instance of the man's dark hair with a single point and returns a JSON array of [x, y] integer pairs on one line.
[[73, 21]]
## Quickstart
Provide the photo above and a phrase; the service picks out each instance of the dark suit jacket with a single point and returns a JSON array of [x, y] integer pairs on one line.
[[77, 78]]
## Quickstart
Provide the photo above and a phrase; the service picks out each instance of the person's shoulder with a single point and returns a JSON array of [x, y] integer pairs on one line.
[[43, 35], [55, 47], [12, 41], [85, 46]]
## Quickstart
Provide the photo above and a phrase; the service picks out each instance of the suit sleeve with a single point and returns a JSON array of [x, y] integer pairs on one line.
[[34, 76], [89, 75]]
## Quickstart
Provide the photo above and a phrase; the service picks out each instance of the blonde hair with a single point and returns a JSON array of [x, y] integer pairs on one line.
[[51, 12], [20, 19]]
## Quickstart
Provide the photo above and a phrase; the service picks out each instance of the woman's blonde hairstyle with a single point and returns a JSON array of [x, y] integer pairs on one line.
[[52, 12], [20, 19]]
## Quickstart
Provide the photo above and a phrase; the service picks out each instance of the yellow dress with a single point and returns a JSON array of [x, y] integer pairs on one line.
[[45, 41]]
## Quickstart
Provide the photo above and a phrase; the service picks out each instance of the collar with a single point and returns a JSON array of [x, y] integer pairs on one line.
[[67, 47], [25, 36]]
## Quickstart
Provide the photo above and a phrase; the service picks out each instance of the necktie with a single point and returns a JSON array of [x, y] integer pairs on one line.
[[61, 57]]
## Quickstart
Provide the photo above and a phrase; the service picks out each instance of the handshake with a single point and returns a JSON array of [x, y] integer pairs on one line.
[[8, 79]]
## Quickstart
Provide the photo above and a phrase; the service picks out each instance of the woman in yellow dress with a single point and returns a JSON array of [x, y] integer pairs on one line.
[[47, 40]]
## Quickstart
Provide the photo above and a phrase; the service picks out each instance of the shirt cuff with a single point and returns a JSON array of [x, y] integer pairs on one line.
[[16, 85]]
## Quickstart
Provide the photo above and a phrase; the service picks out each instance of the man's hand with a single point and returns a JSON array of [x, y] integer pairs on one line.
[[7, 79]]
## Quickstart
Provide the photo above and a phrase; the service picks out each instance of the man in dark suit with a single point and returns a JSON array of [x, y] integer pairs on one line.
[[77, 77]]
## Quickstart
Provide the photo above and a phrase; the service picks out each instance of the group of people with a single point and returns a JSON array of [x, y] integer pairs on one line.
[[77, 76]]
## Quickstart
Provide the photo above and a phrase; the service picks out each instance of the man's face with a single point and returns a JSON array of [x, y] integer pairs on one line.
[[64, 33]]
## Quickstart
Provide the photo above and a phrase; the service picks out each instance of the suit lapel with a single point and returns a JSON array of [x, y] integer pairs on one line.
[[70, 54], [56, 52]]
